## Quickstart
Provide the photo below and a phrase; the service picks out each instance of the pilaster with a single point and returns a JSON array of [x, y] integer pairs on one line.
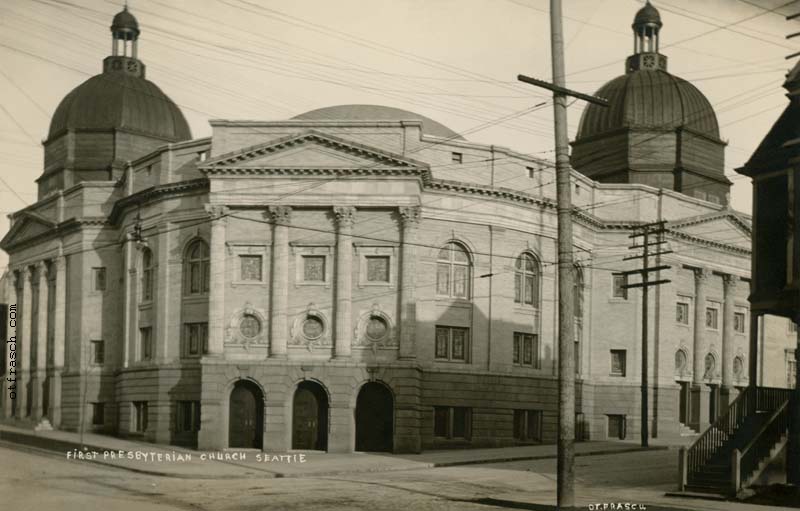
[[699, 393], [24, 343], [345, 217], [59, 338], [729, 286], [41, 342], [409, 218], [216, 293], [281, 218], [12, 382]]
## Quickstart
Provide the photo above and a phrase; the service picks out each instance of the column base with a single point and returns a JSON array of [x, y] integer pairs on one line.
[[279, 356]]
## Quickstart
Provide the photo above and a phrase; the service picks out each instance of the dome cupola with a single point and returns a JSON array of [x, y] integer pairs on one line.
[[110, 118], [657, 129]]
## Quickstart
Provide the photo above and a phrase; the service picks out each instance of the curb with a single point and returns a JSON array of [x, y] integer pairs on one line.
[[509, 459]]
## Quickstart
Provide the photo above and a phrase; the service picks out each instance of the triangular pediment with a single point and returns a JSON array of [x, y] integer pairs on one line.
[[313, 150], [27, 227], [725, 227]]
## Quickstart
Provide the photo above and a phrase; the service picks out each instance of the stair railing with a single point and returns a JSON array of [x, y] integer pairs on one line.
[[706, 445], [746, 462]]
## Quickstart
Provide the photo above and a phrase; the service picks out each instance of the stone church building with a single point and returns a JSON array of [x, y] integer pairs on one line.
[[364, 278]]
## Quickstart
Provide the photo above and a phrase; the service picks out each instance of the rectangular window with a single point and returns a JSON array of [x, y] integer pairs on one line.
[[98, 352], [99, 279], [792, 326], [98, 414], [139, 416], [458, 158], [452, 343], [452, 422], [791, 369], [377, 268], [188, 416], [619, 282], [616, 426], [146, 343], [251, 266], [739, 322], [618, 360], [195, 339], [314, 268], [528, 425], [526, 349], [712, 318], [682, 313], [531, 172]]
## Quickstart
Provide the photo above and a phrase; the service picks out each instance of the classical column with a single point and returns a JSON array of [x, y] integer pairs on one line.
[[281, 217], [59, 338], [700, 393], [409, 218], [41, 343], [729, 285], [345, 216], [216, 292], [24, 343], [11, 383]]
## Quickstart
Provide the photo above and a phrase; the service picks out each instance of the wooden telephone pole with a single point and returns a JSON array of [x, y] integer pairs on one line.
[[565, 481], [645, 232]]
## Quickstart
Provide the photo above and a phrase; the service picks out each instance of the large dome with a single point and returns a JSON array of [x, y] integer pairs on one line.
[[378, 113], [118, 100], [649, 99]]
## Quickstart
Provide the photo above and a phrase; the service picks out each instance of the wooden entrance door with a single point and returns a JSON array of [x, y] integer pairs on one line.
[[246, 412], [310, 417], [374, 418]]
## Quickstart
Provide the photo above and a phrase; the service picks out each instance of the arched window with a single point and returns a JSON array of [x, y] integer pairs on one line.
[[197, 269], [453, 271], [526, 280], [147, 274]]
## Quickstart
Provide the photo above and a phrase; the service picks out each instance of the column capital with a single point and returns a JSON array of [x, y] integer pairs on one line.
[[280, 214], [410, 216], [217, 212], [60, 262], [345, 215], [701, 275], [27, 272], [42, 268], [730, 281]]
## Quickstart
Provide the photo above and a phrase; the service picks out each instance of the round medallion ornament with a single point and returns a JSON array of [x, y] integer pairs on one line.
[[250, 326], [377, 328], [313, 328]]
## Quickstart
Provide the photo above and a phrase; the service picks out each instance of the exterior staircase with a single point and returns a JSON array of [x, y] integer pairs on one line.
[[733, 451], [686, 431]]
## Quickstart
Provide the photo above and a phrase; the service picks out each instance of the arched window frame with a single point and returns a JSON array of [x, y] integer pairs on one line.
[[527, 280], [453, 271], [148, 275], [196, 269]]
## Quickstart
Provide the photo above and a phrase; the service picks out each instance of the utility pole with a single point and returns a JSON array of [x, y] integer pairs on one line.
[[565, 489], [644, 232]]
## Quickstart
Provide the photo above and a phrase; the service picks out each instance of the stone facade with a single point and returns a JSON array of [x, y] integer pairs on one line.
[[364, 284]]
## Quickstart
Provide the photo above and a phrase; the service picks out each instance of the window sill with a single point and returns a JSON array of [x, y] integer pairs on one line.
[[618, 299], [248, 283], [195, 298], [449, 361], [616, 375]]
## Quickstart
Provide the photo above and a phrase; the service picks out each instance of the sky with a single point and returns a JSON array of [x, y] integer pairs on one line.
[[455, 61]]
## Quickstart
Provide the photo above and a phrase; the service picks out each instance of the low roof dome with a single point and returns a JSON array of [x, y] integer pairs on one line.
[[120, 101], [649, 99], [378, 113], [124, 20], [647, 15]]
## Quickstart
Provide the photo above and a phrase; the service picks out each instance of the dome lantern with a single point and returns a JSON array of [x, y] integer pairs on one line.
[[646, 28], [124, 34]]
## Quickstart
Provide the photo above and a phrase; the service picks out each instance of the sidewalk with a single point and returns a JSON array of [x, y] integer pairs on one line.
[[170, 461]]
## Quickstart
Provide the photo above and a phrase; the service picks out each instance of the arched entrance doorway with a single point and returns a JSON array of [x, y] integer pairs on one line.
[[374, 418], [246, 416], [310, 417]]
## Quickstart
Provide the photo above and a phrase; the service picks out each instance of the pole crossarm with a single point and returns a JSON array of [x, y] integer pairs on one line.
[[643, 270], [562, 90], [628, 258], [646, 284]]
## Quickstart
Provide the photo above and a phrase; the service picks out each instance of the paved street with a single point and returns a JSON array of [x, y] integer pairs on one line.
[[43, 481]]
